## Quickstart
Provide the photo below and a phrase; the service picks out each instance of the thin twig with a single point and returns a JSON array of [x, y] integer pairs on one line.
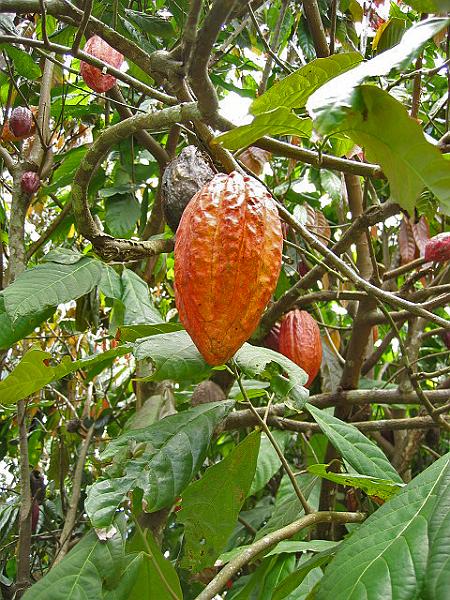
[[273, 441]]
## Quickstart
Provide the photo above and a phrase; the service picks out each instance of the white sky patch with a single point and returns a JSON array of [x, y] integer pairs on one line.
[[303, 186], [235, 108]]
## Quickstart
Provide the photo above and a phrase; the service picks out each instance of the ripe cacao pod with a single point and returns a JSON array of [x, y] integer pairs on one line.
[[300, 341], [182, 179], [227, 262], [437, 249], [30, 182], [272, 339], [93, 76], [21, 122]]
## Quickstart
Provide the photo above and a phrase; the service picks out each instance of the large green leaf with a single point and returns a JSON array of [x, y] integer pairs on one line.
[[290, 585], [295, 89], [360, 453], [382, 126], [397, 553], [91, 570], [329, 104], [122, 212], [172, 356], [210, 506], [279, 121], [35, 371], [51, 284], [268, 460], [137, 302], [131, 333], [23, 63], [372, 486], [429, 6], [255, 360], [12, 332], [160, 460], [156, 577]]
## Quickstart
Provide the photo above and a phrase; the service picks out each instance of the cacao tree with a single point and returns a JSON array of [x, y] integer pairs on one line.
[[224, 299]]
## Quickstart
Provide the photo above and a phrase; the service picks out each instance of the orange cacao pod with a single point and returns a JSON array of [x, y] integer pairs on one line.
[[300, 341], [93, 76], [227, 261]]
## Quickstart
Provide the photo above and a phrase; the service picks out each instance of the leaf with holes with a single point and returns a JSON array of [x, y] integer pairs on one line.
[[160, 460], [401, 551], [35, 371], [210, 506], [172, 356], [51, 284], [91, 570], [280, 121], [361, 454]]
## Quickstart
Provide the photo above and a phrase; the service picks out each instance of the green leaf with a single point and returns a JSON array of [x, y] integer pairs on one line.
[[362, 455], [392, 555], [329, 104], [131, 333], [210, 506], [156, 577], [23, 63], [280, 121], [255, 360], [294, 90], [63, 256], [372, 486], [382, 126], [150, 24], [10, 332], [172, 356], [295, 579], [88, 571], [311, 546], [268, 461], [34, 372], [51, 284], [160, 460], [286, 547], [110, 283], [136, 299], [429, 6], [122, 212]]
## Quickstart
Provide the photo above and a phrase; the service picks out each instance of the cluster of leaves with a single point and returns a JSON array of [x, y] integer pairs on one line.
[[169, 492]]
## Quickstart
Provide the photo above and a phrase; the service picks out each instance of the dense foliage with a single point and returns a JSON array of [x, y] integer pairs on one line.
[[130, 467]]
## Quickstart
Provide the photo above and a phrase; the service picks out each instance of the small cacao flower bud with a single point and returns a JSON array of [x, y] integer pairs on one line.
[[30, 182], [21, 122]]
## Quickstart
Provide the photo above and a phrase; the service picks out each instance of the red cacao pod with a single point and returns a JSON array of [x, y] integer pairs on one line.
[[272, 339], [300, 341], [93, 76], [21, 122], [437, 249], [227, 262], [30, 182]]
